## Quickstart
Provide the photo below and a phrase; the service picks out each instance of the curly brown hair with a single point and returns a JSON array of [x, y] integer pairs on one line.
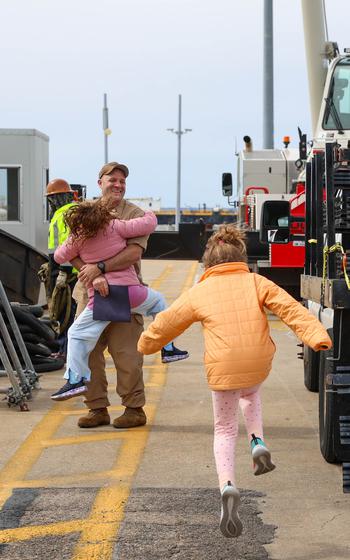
[[87, 218], [226, 245]]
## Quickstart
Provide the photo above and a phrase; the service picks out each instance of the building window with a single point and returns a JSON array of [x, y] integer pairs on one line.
[[9, 194]]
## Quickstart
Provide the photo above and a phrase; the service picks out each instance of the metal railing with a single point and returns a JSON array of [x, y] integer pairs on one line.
[[22, 378]]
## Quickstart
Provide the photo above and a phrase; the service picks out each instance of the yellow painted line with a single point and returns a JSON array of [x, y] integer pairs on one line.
[[190, 278], [72, 479], [30, 450], [163, 276], [151, 384], [143, 367], [156, 378], [98, 535], [37, 531], [99, 530], [98, 541], [90, 438]]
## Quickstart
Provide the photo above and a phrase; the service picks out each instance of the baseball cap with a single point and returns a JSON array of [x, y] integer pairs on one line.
[[111, 166]]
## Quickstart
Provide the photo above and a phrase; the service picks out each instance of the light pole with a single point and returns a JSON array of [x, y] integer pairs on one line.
[[179, 133], [106, 130], [268, 76]]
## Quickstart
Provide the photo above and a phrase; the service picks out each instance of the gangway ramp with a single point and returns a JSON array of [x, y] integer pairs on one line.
[[151, 492]]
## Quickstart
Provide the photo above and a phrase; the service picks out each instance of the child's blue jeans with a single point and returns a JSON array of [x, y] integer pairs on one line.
[[85, 332]]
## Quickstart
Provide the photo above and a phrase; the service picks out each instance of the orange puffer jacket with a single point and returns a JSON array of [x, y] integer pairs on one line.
[[229, 301]]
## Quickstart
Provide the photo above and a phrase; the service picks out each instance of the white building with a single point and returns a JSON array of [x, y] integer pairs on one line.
[[24, 174]]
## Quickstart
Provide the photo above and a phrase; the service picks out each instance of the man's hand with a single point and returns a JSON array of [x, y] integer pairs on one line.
[[101, 285], [88, 273], [61, 280]]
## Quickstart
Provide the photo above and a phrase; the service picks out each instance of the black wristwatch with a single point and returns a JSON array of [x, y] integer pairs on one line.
[[101, 266]]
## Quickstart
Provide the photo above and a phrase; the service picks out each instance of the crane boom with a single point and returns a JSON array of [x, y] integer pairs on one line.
[[315, 37]]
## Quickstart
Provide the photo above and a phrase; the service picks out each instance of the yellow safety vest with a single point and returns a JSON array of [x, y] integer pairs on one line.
[[58, 231]]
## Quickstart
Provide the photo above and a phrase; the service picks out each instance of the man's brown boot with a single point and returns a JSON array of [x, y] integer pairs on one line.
[[96, 417], [131, 418]]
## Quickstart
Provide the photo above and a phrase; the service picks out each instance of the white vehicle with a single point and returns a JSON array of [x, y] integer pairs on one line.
[[267, 175], [325, 284], [312, 221]]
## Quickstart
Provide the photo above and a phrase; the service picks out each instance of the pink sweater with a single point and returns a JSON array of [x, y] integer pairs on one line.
[[108, 243]]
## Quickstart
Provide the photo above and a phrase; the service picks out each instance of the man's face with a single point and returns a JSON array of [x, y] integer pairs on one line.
[[113, 185]]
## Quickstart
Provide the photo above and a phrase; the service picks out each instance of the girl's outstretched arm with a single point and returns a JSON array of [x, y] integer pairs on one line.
[[167, 325], [295, 315], [137, 227]]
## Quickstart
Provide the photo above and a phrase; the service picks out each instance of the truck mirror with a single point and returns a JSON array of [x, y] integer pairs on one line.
[[227, 184], [274, 224], [302, 145]]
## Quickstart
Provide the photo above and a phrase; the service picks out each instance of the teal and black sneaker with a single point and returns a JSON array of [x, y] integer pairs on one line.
[[230, 523], [173, 355], [261, 456], [70, 390]]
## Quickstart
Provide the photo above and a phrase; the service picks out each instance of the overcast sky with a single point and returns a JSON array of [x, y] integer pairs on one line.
[[60, 57]]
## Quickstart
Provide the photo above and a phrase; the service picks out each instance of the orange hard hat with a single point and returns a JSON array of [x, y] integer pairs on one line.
[[57, 186]]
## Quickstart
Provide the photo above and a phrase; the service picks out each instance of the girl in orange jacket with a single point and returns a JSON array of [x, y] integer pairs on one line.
[[229, 301]]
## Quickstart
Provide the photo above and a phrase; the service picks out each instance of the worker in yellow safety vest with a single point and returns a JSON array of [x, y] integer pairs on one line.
[[62, 278]]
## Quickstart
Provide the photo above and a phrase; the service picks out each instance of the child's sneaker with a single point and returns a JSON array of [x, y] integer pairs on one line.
[[230, 523], [173, 355], [69, 390], [261, 456]]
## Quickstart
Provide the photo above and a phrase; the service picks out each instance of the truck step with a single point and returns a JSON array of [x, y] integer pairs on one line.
[[346, 478]]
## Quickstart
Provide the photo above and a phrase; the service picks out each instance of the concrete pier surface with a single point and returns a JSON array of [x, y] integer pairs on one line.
[[152, 493]]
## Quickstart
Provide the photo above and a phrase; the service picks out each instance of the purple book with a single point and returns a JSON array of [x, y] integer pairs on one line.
[[115, 307]]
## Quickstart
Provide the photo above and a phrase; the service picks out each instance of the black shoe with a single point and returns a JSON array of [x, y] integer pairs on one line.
[[173, 355], [69, 390]]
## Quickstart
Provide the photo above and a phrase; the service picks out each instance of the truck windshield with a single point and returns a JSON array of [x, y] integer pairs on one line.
[[337, 113]]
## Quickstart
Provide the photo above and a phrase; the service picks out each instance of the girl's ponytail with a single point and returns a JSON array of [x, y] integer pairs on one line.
[[226, 245]]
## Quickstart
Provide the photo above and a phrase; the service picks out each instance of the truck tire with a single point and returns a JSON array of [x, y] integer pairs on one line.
[[311, 369], [38, 350], [52, 344], [36, 326], [35, 310], [327, 422], [31, 337], [43, 365]]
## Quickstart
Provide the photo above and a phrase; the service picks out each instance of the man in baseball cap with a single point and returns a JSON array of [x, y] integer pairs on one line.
[[121, 338]]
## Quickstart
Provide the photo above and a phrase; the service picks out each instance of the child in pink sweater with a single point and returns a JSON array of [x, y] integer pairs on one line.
[[97, 235]]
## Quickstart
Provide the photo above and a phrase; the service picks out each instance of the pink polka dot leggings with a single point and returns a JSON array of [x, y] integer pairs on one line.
[[225, 406]]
